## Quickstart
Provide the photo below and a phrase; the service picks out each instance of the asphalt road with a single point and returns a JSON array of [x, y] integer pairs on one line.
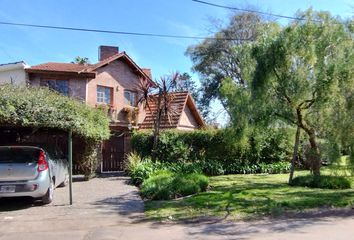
[[108, 208]]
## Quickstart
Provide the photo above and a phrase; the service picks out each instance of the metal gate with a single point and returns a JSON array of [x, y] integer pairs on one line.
[[113, 154]]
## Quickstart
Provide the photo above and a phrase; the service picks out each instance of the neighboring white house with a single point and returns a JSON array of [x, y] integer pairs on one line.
[[14, 73]]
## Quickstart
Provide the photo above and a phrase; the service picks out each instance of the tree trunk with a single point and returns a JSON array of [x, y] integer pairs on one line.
[[295, 154], [157, 124], [156, 136], [315, 154], [315, 157]]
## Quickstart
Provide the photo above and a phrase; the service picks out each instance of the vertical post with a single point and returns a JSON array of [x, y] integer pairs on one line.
[[70, 158]]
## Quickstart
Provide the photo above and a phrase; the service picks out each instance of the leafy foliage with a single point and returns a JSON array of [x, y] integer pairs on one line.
[[42, 108], [81, 60], [167, 185], [296, 76], [142, 169], [329, 182], [158, 186], [219, 146], [270, 168], [216, 58], [138, 169]]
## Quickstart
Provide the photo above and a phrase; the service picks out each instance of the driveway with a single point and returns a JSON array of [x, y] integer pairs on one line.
[[108, 208]]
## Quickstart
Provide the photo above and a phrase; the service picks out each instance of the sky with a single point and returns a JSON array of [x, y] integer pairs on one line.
[[162, 55]]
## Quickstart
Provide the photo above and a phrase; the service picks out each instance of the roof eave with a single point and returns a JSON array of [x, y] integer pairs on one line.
[[67, 73]]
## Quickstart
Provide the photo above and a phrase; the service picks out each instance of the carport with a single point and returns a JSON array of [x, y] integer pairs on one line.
[[56, 139], [40, 116]]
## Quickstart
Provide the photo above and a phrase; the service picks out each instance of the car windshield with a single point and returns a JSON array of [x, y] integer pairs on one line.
[[18, 155]]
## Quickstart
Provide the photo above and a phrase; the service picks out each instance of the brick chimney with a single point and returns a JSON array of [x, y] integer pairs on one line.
[[106, 52], [147, 71]]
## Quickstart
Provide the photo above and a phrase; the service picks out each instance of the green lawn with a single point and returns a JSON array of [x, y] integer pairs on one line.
[[248, 196]]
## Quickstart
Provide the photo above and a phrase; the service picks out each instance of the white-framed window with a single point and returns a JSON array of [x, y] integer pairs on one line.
[[104, 95], [130, 97]]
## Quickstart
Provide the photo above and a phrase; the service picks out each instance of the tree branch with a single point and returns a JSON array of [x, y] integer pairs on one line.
[[286, 118], [284, 93]]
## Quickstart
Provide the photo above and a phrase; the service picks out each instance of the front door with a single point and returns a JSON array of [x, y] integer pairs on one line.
[[113, 153]]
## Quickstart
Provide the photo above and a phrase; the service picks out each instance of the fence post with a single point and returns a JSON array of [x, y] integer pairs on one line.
[[70, 158]]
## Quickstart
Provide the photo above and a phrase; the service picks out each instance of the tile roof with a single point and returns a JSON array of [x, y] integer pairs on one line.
[[87, 68], [60, 67], [179, 100]]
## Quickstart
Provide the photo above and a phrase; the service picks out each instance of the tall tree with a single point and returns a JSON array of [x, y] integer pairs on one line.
[[186, 83], [217, 58], [296, 78]]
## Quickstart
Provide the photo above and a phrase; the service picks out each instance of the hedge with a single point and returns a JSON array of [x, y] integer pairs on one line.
[[215, 145], [42, 108]]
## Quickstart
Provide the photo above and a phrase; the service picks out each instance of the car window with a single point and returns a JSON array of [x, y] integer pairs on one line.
[[18, 155]]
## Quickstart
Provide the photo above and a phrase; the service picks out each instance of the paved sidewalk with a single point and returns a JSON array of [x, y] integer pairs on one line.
[[108, 208]]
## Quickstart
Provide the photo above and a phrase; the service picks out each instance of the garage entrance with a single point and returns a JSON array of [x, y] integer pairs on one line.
[[114, 152]]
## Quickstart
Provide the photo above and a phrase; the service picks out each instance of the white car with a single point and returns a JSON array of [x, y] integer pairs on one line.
[[27, 171]]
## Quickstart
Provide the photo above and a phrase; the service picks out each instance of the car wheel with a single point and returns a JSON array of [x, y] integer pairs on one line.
[[48, 197], [66, 181]]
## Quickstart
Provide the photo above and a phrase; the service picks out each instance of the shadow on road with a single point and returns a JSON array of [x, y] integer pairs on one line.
[[17, 203]]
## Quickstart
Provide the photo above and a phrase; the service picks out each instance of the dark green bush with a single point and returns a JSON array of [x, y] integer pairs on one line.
[[158, 187], [182, 168], [212, 168], [141, 169], [274, 168], [217, 146], [188, 184], [328, 182], [166, 185], [271, 168]]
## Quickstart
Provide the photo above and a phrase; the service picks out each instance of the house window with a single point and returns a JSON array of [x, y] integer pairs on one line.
[[130, 98], [61, 86], [104, 95]]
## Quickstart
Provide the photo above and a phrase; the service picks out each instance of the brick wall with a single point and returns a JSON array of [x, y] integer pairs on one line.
[[119, 76], [77, 87]]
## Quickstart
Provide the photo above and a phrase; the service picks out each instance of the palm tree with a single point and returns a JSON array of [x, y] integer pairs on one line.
[[159, 96]]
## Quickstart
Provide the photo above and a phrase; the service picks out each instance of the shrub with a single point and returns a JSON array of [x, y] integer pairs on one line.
[[217, 145], [188, 184], [166, 185], [274, 168], [271, 168], [86, 156], [328, 182], [158, 187], [182, 168], [138, 169], [212, 168]]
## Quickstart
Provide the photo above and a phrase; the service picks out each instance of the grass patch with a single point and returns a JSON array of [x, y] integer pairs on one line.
[[248, 196]]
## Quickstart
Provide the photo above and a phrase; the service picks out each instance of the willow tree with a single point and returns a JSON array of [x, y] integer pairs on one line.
[[296, 77]]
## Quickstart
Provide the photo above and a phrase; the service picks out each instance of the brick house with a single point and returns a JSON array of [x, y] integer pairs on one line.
[[112, 84]]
